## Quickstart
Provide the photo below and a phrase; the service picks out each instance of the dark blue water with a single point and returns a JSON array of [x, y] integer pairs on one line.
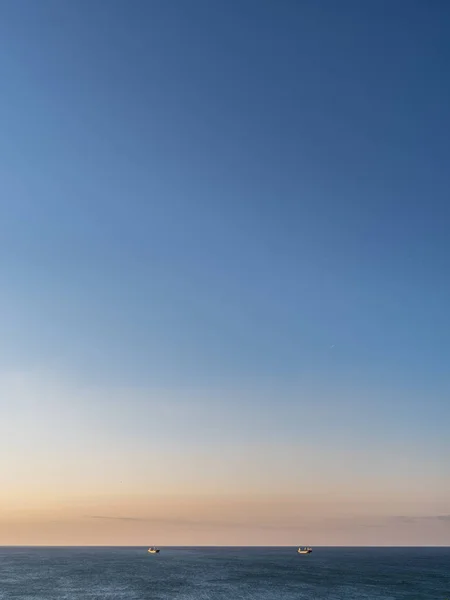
[[218, 573]]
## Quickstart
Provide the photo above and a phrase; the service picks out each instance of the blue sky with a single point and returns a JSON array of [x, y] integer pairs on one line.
[[231, 196]]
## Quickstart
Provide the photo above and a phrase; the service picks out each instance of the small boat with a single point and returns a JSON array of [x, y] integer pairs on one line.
[[153, 550], [304, 550]]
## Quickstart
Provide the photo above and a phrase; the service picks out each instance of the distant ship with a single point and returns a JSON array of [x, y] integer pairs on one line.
[[153, 550], [305, 550]]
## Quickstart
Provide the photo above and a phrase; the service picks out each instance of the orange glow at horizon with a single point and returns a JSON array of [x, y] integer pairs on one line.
[[194, 520]]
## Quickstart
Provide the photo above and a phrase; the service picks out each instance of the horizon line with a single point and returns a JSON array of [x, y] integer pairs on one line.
[[219, 546]]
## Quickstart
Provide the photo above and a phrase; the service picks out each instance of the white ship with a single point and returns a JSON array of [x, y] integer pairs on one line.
[[153, 550], [304, 550]]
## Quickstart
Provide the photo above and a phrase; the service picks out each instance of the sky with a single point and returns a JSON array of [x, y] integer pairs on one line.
[[224, 272]]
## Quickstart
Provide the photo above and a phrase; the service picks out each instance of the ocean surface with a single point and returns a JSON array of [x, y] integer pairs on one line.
[[224, 573]]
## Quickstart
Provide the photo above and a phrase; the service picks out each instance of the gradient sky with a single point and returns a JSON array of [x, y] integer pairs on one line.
[[224, 262]]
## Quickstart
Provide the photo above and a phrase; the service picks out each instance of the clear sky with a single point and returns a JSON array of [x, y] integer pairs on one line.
[[224, 263]]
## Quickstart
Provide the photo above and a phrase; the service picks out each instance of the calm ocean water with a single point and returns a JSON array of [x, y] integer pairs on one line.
[[224, 573]]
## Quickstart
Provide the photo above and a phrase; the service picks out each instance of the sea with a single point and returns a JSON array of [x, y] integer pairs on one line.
[[224, 574]]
